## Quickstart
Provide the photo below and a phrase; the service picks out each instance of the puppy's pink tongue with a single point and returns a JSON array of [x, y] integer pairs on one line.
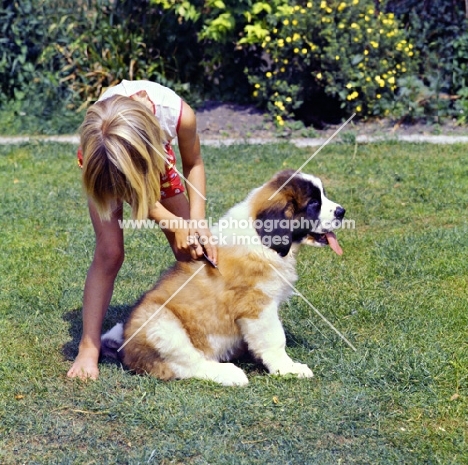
[[333, 243]]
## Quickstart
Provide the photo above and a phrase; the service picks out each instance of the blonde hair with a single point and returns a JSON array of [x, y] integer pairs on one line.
[[123, 156]]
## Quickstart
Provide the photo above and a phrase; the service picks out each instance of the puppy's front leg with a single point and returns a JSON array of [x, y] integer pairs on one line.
[[267, 341]]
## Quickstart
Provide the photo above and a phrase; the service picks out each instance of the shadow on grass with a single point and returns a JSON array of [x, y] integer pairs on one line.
[[293, 339], [114, 315]]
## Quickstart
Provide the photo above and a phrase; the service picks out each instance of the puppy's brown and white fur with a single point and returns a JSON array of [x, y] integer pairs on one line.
[[222, 312]]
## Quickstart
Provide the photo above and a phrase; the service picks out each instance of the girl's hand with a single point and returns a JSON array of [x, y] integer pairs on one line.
[[193, 241], [185, 242], [202, 238]]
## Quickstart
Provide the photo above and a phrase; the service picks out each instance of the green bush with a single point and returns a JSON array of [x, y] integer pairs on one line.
[[345, 50], [58, 56], [438, 30], [22, 30], [99, 47], [31, 97], [297, 58], [226, 34]]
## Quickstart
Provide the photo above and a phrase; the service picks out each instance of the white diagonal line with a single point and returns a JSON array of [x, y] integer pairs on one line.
[[313, 308], [160, 308], [164, 158], [313, 155]]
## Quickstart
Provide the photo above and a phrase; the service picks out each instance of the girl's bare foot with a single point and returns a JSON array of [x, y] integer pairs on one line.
[[85, 365]]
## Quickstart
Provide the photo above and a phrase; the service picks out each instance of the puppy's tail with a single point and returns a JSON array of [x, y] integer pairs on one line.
[[112, 341]]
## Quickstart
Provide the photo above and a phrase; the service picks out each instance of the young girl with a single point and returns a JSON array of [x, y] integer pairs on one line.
[[126, 156]]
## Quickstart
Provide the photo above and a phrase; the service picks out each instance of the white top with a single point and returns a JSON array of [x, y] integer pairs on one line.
[[167, 104]]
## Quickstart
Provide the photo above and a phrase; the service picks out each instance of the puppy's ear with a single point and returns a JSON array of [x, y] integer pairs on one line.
[[275, 231]]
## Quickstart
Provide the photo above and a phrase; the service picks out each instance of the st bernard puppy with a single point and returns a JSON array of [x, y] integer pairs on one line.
[[197, 316]]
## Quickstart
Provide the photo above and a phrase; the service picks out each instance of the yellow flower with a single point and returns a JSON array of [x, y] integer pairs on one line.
[[288, 99], [337, 57], [288, 39], [286, 22], [285, 61], [257, 86], [294, 22], [391, 80], [268, 74], [255, 93], [282, 69], [378, 96], [319, 75], [366, 52], [296, 50], [296, 36], [355, 2], [304, 51], [354, 26], [349, 85], [342, 6], [323, 4], [358, 108], [309, 4], [374, 44]]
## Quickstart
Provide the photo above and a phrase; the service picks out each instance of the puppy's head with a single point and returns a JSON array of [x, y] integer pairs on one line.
[[293, 208]]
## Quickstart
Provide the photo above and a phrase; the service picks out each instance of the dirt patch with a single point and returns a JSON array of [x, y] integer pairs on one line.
[[226, 120], [220, 121]]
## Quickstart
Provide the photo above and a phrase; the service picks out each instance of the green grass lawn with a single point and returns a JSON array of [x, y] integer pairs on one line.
[[399, 294]]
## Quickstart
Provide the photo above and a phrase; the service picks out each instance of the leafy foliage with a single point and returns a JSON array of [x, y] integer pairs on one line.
[[308, 60], [438, 30], [344, 49]]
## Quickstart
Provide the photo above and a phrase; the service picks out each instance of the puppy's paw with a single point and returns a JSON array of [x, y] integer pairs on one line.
[[227, 374], [302, 370], [293, 368]]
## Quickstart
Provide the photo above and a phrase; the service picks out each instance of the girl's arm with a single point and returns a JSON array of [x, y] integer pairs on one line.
[[194, 173]]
